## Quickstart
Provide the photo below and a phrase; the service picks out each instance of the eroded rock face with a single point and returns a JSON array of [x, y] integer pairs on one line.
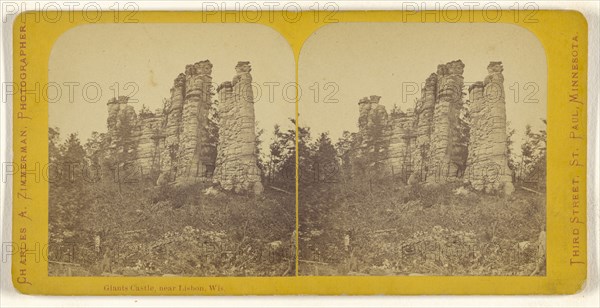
[[488, 160], [123, 129], [434, 143], [446, 118], [148, 150], [171, 143], [424, 111], [193, 140], [237, 160]]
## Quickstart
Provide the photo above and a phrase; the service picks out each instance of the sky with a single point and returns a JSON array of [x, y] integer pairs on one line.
[[338, 65], [151, 56], [393, 60]]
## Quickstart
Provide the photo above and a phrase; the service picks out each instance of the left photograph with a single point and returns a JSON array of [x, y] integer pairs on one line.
[[171, 151]]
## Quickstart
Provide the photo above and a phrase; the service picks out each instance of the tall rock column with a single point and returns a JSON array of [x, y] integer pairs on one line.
[[374, 133], [194, 134], [446, 118], [123, 130], [401, 142], [149, 142], [488, 149], [423, 126], [172, 125], [237, 160]]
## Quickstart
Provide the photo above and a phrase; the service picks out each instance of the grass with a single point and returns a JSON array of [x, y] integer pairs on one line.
[[398, 229], [182, 231]]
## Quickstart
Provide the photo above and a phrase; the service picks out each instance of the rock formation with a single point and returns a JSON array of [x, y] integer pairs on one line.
[[488, 160], [434, 142], [373, 130], [446, 156], [237, 165], [175, 144]]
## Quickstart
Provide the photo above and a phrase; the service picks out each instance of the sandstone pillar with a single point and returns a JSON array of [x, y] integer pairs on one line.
[[194, 132], [122, 129], [149, 142], [446, 118], [172, 122], [488, 149], [423, 125], [374, 133], [237, 161]]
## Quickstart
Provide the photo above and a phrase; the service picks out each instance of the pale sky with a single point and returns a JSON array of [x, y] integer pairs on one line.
[[377, 58], [152, 55], [362, 59]]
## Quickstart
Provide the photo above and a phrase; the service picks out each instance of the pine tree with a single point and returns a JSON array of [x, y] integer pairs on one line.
[[95, 148], [344, 147], [326, 162], [72, 160], [533, 152]]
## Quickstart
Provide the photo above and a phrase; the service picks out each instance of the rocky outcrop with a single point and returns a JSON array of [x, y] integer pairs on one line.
[[123, 130], [150, 137], [488, 160], [175, 144], [402, 138], [423, 129], [373, 132], [445, 153], [237, 164], [193, 139], [435, 142]]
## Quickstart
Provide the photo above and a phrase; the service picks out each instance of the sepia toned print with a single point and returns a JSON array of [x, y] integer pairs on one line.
[[170, 171], [431, 159], [144, 165]]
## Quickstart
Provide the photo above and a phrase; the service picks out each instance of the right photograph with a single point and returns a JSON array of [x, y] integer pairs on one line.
[[422, 151]]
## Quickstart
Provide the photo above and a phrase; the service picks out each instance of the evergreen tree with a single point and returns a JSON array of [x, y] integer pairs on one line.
[[53, 145], [326, 164], [72, 160], [533, 157], [344, 147], [259, 155], [282, 153], [95, 148], [68, 194]]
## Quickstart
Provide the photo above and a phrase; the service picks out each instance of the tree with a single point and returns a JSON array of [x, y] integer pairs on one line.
[[325, 159], [213, 123], [145, 112], [344, 147], [305, 154], [72, 160], [123, 147], [282, 153], [512, 163], [68, 192], [533, 157], [257, 145], [53, 145], [95, 149]]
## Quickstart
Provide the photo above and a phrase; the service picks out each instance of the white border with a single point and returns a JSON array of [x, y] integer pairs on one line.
[[588, 297]]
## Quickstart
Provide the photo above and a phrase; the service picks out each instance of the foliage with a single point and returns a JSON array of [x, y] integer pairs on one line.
[[213, 123], [532, 169], [324, 160], [281, 165], [145, 112], [512, 164], [398, 229], [344, 147], [143, 229]]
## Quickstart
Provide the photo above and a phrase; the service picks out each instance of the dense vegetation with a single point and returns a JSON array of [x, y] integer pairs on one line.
[[108, 218], [378, 224], [104, 223]]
